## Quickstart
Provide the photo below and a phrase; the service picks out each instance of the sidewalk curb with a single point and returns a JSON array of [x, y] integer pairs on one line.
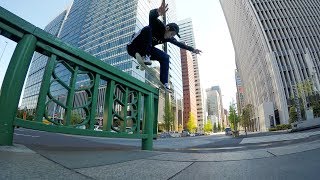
[[17, 148]]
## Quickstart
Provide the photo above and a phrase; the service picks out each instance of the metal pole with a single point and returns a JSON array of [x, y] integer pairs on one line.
[[147, 143], [3, 50], [165, 47]]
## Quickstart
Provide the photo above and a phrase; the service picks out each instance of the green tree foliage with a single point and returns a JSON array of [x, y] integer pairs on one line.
[[192, 124], [20, 114], [168, 114], [293, 115], [246, 117], [315, 104], [208, 126], [219, 127], [233, 117], [75, 118]]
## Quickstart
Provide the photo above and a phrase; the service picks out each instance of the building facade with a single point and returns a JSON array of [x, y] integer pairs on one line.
[[36, 70], [187, 36], [277, 48], [189, 90], [215, 106]]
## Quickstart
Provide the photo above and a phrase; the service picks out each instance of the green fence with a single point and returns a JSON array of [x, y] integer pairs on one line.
[[130, 106]]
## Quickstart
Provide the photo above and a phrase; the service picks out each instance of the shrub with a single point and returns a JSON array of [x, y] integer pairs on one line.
[[281, 127]]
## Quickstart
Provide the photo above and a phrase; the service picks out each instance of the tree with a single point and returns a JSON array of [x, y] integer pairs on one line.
[[245, 118], [208, 126], [316, 108], [219, 127], [233, 117], [75, 118], [315, 104], [192, 124], [223, 127], [214, 127], [168, 114], [293, 115], [305, 92]]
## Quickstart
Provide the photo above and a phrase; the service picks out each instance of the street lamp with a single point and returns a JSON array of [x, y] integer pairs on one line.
[[3, 50]]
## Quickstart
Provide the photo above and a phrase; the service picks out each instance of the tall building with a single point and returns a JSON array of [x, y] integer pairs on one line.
[[103, 28], [277, 47], [187, 36], [214, 105], [189, 90]]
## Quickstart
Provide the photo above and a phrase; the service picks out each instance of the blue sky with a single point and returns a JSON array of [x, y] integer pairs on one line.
[[212, 36]]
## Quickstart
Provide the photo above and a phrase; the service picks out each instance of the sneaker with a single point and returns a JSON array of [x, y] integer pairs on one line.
[[167, 87], [147, 60]]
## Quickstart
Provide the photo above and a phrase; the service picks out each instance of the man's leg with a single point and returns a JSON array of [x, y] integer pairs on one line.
[[163, 58]]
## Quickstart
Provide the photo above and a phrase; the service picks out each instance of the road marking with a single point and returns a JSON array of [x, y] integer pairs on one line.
[[25, 135], [222, 148]]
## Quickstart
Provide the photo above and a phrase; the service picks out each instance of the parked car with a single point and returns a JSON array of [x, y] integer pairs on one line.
[[165, 135], [175, 134], [228, 131], [199, 134], [185, 133]]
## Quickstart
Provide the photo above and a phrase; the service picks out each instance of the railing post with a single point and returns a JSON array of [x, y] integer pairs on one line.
[[155, 122], [45, 87], [147, 143], [12, 86], [108, 106]]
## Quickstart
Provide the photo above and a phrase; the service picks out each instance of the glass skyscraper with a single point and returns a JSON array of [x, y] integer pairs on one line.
[[35, 74], [277, 47]]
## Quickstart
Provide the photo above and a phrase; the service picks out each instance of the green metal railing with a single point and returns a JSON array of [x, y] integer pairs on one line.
[[128, 101]]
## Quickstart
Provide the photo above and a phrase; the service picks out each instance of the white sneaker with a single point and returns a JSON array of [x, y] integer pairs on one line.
[[147, 60], [167, 87]]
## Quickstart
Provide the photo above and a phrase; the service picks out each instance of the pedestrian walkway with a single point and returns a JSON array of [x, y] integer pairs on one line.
[[280, 137], [19, 162]]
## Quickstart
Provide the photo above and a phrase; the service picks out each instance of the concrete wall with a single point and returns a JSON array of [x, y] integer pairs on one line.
[[266, 112]]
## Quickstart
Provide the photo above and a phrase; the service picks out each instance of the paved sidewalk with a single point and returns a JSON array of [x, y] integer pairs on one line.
[[19, 162], [280, 137]]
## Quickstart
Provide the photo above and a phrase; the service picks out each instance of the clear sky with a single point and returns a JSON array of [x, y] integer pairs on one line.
[[216, 64]]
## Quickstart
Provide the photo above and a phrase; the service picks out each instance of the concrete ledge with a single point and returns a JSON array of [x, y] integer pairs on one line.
[[213, 157], [305, 125], [18, 148]]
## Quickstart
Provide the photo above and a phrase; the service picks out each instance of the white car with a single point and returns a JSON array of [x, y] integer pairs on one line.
[[175, 134]]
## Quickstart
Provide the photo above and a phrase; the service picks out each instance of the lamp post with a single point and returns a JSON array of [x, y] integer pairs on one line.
[[3, 50]]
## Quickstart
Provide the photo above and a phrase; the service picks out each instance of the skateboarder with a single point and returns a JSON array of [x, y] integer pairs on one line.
[[143, 42]]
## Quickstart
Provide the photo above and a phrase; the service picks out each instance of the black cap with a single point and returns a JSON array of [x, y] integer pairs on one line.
[[174, 27]]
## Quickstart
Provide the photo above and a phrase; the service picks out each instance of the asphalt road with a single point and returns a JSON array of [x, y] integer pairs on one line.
[[198, 144]]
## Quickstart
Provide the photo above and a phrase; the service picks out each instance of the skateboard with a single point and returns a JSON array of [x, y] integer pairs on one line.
[[144, 67]]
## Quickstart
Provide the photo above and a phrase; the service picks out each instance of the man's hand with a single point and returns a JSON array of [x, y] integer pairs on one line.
[[197, 51], [163, 8]]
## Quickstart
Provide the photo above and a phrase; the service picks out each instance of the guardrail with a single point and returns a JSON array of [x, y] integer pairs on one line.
[[130, 106]]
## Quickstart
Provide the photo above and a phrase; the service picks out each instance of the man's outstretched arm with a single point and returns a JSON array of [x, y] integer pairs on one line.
[[184, 46]]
